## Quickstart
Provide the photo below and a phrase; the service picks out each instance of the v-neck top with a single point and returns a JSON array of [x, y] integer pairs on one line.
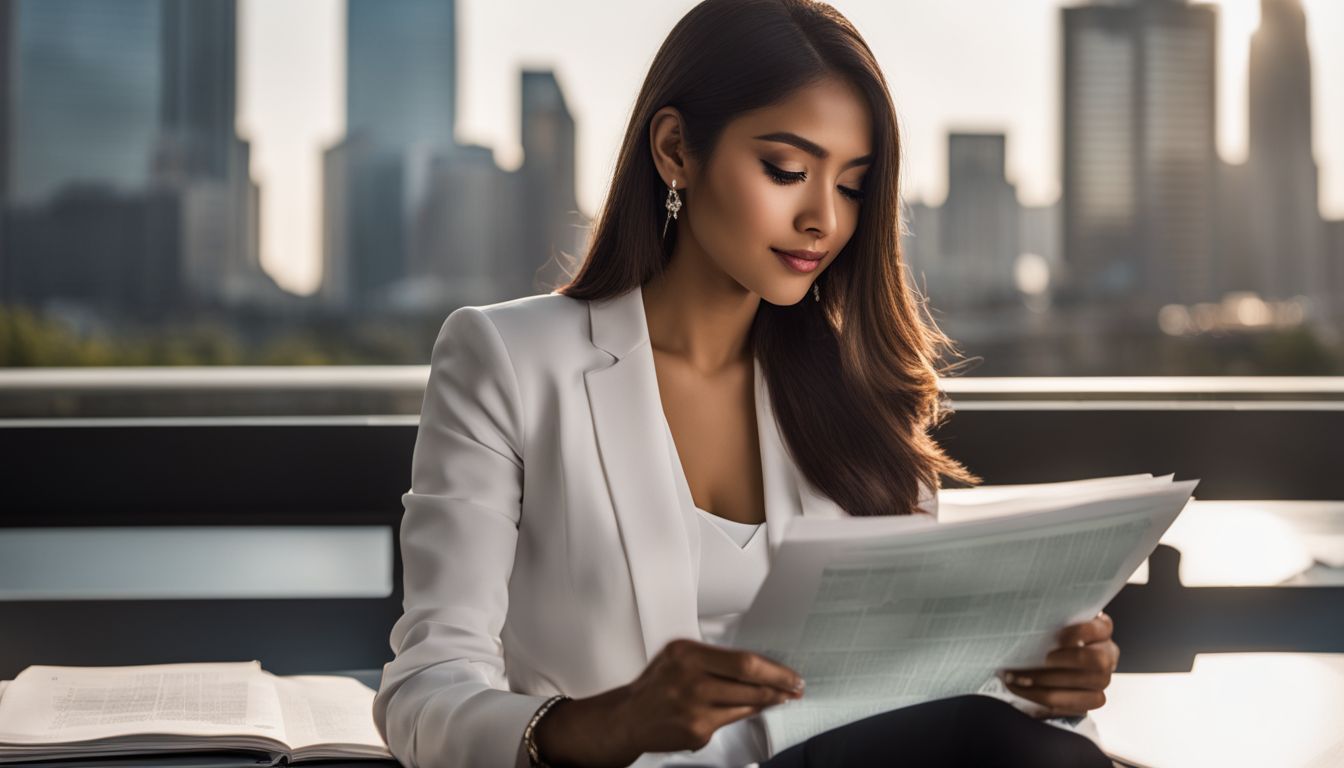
[[733, 563], [740, 533]]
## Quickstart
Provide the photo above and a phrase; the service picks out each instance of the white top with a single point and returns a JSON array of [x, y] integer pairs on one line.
[[733, 563], [734, 559]]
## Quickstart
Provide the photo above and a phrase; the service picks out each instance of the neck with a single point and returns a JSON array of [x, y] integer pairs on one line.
[[698, 313]]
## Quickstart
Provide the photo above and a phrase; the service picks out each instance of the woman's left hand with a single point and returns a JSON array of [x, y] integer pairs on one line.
[[1075, 675]]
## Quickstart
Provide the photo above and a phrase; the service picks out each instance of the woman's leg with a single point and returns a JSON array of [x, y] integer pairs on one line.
[[970, 730]]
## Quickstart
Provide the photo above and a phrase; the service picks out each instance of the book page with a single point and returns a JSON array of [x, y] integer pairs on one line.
[[329, 709], [874, 622], [47, 704]]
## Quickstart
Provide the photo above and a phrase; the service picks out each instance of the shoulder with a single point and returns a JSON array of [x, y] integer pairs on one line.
[[534, 315], [528, 328]]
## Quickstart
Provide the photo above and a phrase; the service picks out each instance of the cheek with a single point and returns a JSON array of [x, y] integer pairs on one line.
[[849, 223], [846, 223], [746, 213]]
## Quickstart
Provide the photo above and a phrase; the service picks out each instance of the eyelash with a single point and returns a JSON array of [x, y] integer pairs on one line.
[[786, 177]]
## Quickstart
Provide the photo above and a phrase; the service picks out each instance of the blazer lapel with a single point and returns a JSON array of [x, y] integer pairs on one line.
[[629, 423]]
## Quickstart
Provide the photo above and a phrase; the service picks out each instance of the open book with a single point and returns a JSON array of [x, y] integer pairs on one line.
[[878, 613], [54, 713]]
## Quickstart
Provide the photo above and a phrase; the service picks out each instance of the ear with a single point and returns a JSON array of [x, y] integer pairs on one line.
[[667, 140]]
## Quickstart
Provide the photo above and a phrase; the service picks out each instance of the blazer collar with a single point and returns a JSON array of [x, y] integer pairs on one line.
[[618, 323], [629, 423]]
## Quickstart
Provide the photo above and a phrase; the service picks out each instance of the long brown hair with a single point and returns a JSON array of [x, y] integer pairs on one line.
[[852, 379]]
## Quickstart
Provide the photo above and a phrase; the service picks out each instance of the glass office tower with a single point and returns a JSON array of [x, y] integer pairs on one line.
[[86, 92], [1140, 161], [1288, 248]]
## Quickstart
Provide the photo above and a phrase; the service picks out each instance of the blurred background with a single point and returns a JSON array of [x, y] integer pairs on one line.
[[230, 231], [1150, 187]]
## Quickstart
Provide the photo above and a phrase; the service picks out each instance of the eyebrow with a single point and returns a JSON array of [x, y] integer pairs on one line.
[[811, 148]]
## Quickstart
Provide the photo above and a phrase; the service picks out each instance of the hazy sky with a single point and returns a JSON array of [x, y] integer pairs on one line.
[[951, 64]]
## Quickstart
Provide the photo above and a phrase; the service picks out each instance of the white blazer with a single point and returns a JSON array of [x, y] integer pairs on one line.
[[544, 548]]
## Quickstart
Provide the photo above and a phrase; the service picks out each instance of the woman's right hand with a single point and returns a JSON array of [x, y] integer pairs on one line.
[[688, 691]]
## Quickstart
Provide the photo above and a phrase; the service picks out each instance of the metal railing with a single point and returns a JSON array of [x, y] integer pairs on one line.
[[398, 390]]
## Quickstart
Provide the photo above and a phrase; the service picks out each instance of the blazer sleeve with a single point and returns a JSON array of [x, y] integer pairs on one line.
[[444, 699]]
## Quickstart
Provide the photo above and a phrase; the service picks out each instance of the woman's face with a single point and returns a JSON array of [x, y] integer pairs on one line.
[[783, 178]]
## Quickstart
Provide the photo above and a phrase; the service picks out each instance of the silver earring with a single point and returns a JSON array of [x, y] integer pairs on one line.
[[816, 291], [672, 205]]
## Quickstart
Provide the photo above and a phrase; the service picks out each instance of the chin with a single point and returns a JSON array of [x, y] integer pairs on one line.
[[785, 294]]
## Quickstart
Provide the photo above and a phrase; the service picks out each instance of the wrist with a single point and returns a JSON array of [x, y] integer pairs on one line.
[[585, 732]]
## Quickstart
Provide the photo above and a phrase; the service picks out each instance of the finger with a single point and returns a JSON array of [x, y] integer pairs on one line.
[[1062, 701], [748, 667], [1103, 656], [1058, 678], [712, 690], [1096, 630]]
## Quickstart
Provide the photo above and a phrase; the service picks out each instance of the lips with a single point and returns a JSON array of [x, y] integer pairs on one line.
[[797, 264], [805, 255]]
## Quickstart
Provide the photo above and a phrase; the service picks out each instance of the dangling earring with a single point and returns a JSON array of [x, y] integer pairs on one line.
[[672, 205], [816, 289]]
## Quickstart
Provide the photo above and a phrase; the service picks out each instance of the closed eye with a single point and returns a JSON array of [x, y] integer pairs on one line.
[[780, 176]]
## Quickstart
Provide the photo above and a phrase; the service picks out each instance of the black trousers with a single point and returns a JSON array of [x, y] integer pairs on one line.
[[969, 730]]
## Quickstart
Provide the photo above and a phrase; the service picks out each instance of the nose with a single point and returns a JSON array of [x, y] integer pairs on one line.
[[818, 216]]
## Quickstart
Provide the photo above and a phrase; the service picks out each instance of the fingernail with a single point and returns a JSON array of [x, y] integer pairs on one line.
[[1024, 682], [799, 684], [1009, 677], [1080, 643]]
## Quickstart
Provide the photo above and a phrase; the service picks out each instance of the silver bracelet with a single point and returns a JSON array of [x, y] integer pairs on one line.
[[529, 733]]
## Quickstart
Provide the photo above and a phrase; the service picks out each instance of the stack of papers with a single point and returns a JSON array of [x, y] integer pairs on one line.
[[878, 613]]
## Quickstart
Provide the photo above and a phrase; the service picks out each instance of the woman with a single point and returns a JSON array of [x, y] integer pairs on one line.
[[600, 473]]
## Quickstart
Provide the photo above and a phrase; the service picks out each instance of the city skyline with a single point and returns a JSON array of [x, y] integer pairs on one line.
[[292, 102], [1154, 240]]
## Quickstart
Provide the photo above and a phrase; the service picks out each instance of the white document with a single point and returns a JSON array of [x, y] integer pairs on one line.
[[884, 612], [993, 494]]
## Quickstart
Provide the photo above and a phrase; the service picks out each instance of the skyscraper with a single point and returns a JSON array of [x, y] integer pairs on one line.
[[401, 75], [86, 96], [547, 207], [1334, 258], [6, 68], [980, 220], [200, 155], [126, 158], [484, 234], [921, 234], [466, 227], [200, 86], [83, 224], [1140, 162], [401, 72], [1288, 243]]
